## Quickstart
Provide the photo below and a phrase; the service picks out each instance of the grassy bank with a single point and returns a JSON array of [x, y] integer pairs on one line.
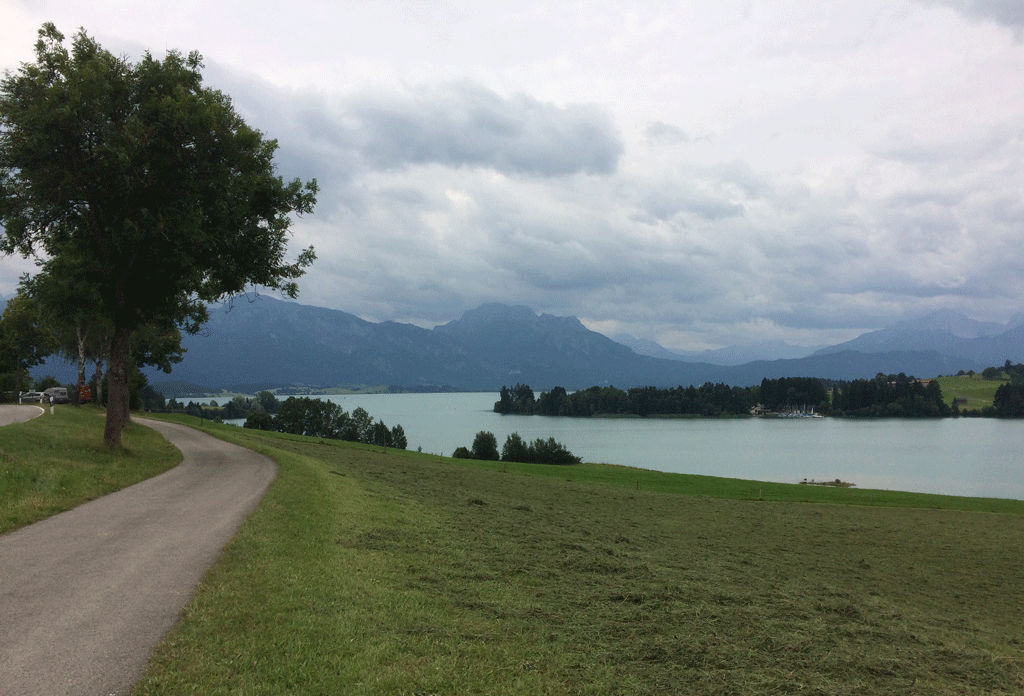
[[372, 573], [55, 462]]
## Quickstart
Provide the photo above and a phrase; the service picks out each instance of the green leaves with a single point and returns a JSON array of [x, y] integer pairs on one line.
[[150, 183], [156, 185], [25, 340]]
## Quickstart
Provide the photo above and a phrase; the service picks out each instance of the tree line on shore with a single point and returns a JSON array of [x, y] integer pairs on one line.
[[707, 400], [325, 419], [893, 396], [1008, 401], [239, 407]]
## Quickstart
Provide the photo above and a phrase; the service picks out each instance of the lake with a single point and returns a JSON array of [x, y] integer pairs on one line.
[[968, 456]]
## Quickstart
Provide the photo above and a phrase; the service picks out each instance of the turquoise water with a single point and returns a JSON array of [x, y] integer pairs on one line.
[[971, 457]]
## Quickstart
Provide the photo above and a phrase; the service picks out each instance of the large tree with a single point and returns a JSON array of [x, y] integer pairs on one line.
[[150, 185]]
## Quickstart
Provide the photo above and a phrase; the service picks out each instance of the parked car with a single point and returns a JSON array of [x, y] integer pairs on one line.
[[59, 395]]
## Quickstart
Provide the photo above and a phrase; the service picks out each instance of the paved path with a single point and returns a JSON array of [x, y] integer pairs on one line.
[[10, 413], [86, 595]]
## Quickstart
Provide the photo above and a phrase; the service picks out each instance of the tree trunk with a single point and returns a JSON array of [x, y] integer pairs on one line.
[[117, 389], [81, 366], [17, 377], [99, 381]]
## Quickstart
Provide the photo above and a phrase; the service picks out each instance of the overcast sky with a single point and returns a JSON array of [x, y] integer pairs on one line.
[[700, 174]]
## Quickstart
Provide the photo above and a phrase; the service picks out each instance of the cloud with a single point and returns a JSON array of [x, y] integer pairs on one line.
[[343, 140], [665, 132], [863, 160], [665, 200], [464, 124], [1009, 13]]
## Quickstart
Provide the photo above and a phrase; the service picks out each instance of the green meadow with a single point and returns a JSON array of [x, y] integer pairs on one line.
[[371, 573], [55, 462], [364, 572], [979, 392]]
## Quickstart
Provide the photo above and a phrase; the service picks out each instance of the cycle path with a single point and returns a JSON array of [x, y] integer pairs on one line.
[[86, 595], [10, 413]]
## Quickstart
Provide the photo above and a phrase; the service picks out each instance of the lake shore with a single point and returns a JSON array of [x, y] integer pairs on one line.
[[961, 457]]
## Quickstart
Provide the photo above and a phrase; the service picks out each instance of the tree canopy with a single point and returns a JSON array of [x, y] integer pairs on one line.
[[146, 185], [485, 446], [326, 419], [24, 340]]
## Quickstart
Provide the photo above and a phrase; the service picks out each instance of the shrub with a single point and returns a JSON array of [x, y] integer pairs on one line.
[[313, 417], [515, 450], [550, 452], [259, 421], [485, 446], [540, 451], [398, 439]]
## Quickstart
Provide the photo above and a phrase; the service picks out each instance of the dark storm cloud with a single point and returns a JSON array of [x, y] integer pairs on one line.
[[463, 124]]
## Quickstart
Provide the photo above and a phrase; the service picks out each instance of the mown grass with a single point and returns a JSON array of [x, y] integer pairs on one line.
[[54, 462], [371, 573], [614, 476], [979, 392]]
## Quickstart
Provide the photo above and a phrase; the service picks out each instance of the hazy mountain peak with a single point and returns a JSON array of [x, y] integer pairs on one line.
[[491, 311], [495, 313], [569, 322], [949, 321], [728, 356], [644, 346]]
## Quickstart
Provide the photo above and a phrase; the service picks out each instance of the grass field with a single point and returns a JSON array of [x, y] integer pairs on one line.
[[402, 573], [53, 463], [371, 573], [978, 392]]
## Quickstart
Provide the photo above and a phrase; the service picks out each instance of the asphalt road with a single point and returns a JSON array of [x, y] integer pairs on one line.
[[10, 413], [86, 595]]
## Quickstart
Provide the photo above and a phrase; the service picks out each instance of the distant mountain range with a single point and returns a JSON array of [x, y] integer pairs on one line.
[[270, 343], [946, 332], [949, 333], [730, 355]]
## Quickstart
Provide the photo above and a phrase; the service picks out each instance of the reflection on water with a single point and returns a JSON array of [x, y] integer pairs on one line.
[[972, 457]]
